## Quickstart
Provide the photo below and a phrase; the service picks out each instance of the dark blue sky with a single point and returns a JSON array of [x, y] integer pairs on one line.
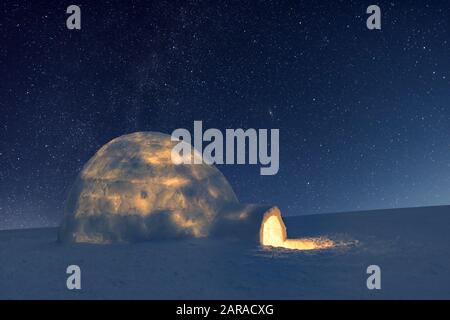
[[364, 116]]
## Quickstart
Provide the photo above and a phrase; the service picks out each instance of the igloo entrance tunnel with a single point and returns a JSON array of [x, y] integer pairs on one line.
[[130, 191], [273, 233]]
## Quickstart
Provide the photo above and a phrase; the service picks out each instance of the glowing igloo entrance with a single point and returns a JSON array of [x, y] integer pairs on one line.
[[273, 233]]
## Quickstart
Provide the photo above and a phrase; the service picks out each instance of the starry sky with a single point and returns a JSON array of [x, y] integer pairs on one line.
[[364, 116]]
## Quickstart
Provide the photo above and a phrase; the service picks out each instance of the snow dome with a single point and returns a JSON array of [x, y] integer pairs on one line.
[[131, 190]]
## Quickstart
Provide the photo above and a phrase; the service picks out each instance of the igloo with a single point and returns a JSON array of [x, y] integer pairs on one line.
[[130, 190]]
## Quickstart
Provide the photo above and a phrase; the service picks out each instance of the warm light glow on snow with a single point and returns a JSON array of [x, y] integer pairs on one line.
[[273, 233], [175, 182], [195, 227]]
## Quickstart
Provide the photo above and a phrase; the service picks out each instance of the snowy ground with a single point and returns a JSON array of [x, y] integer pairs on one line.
[[412, 247]]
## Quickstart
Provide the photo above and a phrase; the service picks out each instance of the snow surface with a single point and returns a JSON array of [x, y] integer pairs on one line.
[[412, 247]]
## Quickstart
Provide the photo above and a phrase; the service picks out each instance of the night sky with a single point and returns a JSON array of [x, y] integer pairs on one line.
[[364, 116]]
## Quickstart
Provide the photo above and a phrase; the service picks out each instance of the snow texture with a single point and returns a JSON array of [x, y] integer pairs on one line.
[[411, 247]]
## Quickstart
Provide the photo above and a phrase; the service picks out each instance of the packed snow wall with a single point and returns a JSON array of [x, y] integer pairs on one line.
[[130, 190]]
